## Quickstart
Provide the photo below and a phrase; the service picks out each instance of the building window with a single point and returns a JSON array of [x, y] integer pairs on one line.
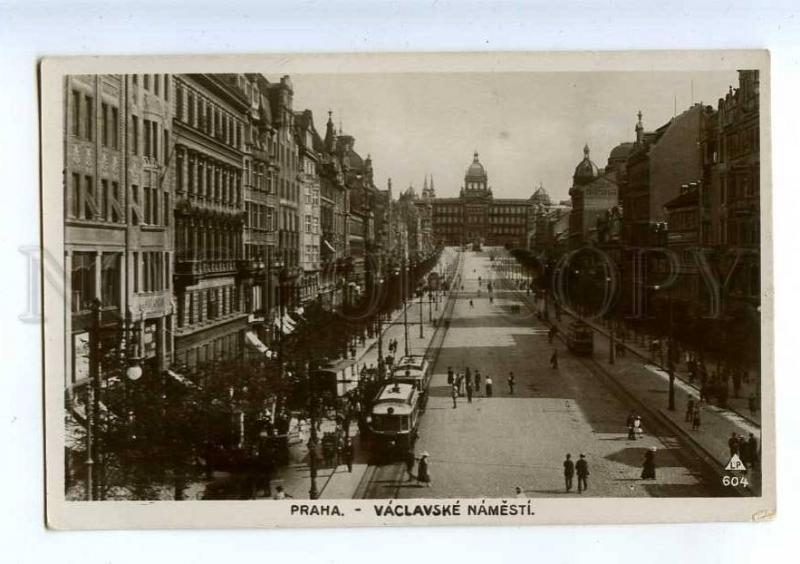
[[190, 108], [114, 128], [88, 130], [166, 87], [104, 122], [135, 134], [91, 202], [135, 209], [76, 113], [146, 81], [166, 209], [75, 196], [147, 138], [179, 172], [116, 204], [102, 200], [83, 281], [109, 275]]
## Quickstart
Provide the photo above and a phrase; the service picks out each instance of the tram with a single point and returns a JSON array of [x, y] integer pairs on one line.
[[580, 338], [394, 417], [415, 370]]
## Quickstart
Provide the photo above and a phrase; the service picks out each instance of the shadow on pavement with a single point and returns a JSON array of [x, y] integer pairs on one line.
[[634, 457]]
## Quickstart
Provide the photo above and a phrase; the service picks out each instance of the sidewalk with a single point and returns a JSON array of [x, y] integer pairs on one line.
[[649, 385], [335, 482], [738, 405]]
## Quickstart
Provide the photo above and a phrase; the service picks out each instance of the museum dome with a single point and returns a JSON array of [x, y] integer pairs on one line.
[[476, 170]]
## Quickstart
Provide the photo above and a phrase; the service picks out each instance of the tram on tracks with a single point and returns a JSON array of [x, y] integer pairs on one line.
[[415, 370], [394, 417], [580, 339]]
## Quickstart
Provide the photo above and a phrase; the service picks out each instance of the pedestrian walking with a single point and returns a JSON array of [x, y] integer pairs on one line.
[[410, 461], [582, 470], [519, 493], [569, 472], [471, 305], [450, 376], [629, 423], [637, 426], [467, 374], [696, 419], [649, 465], [752, 403], [752, 446], [511, 383], [689, 410], [733, 444], [469, 390], [737, 383], [423, 474], [489, 386], [704, 392], [551, 334], [348, 454], [477, 381], [554, 359], [454, 394]]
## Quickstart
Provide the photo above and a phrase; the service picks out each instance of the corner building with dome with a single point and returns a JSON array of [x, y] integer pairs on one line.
[[476, 216]]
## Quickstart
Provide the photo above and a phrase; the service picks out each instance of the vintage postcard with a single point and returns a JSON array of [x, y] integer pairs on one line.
[[407, 289]]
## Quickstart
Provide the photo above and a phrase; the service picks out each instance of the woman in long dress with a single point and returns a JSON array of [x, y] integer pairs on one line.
[[423, 477], [649, 466]]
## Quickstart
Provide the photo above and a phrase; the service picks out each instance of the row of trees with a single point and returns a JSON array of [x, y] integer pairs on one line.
[[157, 435]]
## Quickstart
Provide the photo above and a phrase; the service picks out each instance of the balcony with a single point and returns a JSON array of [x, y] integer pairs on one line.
[[191, 271]]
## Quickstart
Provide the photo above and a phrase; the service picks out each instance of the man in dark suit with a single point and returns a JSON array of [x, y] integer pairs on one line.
[[569, 472], [582, 470]]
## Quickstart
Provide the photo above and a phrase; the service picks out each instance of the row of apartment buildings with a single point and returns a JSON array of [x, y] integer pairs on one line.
[[683, 199], [204, 210]]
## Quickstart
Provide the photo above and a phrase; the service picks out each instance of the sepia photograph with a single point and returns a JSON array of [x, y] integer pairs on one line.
[[353, 290]]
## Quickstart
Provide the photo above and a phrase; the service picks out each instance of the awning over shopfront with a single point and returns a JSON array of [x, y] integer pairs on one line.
[[253, 340], [180, 379], [288, 325]]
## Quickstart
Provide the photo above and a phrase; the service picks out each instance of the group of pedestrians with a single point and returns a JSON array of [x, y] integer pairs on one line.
[[580, 468], [468, 384], [746, 450]]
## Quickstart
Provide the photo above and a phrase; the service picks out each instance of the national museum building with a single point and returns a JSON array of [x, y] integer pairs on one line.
[[476, 216]]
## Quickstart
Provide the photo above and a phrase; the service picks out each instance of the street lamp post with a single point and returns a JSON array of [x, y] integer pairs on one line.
[[313, 492], [670, 359], [133, 372], [421, 322], [405, 309]]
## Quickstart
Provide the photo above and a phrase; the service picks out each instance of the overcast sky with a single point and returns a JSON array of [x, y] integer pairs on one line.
[[527, 127]]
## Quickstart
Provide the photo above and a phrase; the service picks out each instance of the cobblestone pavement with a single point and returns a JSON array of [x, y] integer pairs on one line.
[[487, 447]]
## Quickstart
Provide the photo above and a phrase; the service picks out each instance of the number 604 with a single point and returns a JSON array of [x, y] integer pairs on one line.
[[735, 481]]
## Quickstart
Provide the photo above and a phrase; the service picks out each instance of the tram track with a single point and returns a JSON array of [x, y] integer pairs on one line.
[[394, 472]]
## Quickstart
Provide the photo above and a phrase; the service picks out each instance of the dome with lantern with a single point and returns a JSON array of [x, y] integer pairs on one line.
[[586, 171], [475, 170]]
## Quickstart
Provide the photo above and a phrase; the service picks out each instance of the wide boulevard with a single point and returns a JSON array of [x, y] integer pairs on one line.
[[488, 447]]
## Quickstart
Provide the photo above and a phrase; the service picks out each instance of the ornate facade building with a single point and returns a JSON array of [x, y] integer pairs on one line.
[[593, 192], [210, 116], [118, 224], [476, 216]]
